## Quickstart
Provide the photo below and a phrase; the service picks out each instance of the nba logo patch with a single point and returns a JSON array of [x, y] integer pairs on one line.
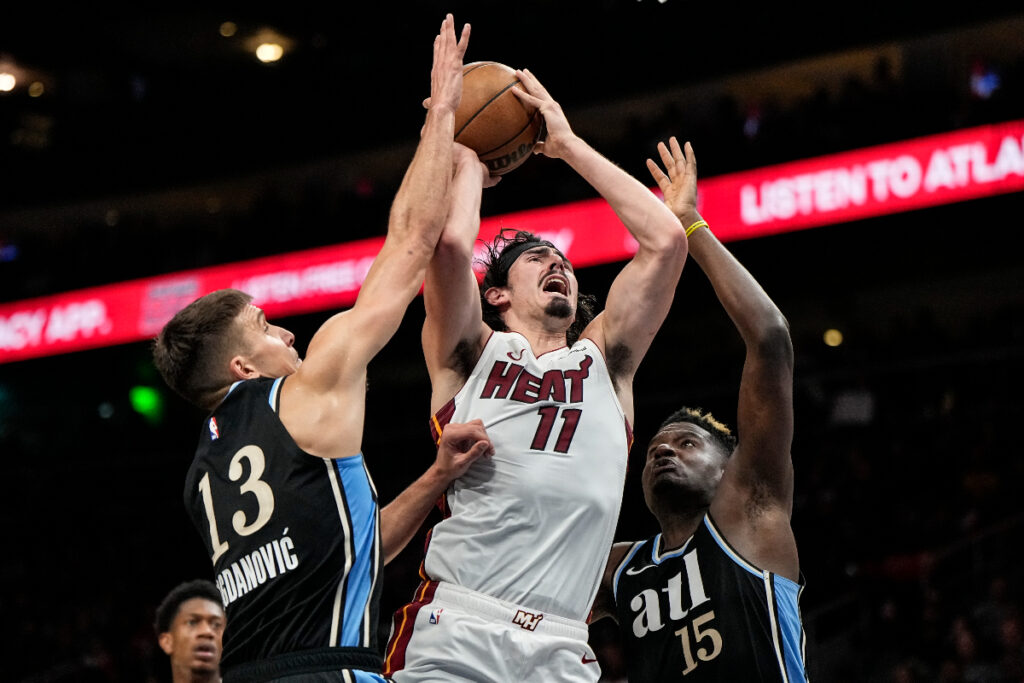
[[214, 431], [435, 615]]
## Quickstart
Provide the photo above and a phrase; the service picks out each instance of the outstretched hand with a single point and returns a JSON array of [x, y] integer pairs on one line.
[[446, 73], [461, 445], [678, 182], [558, 131]]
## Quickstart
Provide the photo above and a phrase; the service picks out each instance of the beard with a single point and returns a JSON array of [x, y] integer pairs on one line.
[[667, 497], [559, 308]]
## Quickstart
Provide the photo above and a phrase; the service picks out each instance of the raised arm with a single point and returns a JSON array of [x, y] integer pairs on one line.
[[754, 501], [418, 211], [322, 403], [460, 446], [453, 331], [641, 294]]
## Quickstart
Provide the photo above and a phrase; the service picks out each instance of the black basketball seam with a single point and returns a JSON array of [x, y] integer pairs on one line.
[[475, 67], [528, 124], [485, 105]]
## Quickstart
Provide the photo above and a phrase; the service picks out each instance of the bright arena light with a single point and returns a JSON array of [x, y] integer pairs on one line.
[[269, 52], [7, 82], [833, 337], [268, 44]]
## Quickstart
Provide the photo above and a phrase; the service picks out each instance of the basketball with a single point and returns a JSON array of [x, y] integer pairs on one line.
[[492, 121]]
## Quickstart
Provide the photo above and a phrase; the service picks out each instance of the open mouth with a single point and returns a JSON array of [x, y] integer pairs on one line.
[[556, 284], [662, 466]]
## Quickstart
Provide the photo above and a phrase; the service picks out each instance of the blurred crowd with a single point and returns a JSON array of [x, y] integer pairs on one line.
[[326, 204]]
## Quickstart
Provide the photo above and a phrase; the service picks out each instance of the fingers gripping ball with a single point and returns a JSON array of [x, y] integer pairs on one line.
[[492, 121]]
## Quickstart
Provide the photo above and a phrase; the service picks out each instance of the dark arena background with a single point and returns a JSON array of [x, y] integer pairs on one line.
[[138, 144]]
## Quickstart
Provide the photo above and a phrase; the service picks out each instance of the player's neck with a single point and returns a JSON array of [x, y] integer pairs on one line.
[[544, 343], [542, 337], [676, 530]]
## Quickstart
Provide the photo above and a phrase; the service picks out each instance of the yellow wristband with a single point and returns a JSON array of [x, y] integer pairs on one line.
[[693, 228]]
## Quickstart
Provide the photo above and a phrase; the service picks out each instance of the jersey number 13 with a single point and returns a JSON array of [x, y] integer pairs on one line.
[[254, 485]]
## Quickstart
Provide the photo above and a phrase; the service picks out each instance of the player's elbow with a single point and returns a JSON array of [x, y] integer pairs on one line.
[[453, 246], [773, 343], [669, 243]]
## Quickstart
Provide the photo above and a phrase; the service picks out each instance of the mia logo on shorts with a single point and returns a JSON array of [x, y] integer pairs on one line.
[[527, 620]]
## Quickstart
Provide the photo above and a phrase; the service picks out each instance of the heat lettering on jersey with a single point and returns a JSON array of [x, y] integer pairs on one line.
[[512, 381]]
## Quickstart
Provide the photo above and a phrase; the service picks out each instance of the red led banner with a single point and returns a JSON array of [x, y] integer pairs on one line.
[[887, 179], [940, 169], [289, 284]]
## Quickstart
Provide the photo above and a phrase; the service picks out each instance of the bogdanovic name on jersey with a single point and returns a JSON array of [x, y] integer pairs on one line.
[[251, 571]]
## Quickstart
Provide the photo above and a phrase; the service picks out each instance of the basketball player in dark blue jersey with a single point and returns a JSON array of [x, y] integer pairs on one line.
[[278, 489], [714, 596]]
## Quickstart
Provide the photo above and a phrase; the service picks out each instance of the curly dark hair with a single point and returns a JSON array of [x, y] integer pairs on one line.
[[502, 252], [169, 606], [721, 434]]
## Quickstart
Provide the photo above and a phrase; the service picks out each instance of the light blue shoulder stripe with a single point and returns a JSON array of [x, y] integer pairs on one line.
[[787, 599], [783, 604], [622, 565], [366, 677], [362, 507], [272, 397], [728, 550]]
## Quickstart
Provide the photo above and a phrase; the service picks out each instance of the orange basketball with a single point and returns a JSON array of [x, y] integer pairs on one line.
[[492, 121]]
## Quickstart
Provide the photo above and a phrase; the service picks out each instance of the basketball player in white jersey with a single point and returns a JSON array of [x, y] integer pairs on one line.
[[509, 575]]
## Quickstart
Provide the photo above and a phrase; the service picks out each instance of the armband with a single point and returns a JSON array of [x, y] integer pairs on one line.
[[696, 226]]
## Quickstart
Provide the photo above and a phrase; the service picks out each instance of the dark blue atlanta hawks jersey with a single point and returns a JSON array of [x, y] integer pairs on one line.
[[703, 613], [294, 539]]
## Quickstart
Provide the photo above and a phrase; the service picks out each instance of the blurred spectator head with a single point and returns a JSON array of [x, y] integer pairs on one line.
[[189, 627]]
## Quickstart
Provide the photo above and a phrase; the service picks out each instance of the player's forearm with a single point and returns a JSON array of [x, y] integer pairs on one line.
[[450, 295], [401, 518], [463, 223], [751, 309], [420, 205], [650, 222], [452, 261]]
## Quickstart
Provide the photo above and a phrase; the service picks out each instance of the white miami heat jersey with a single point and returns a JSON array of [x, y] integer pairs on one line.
[[533, 524]]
